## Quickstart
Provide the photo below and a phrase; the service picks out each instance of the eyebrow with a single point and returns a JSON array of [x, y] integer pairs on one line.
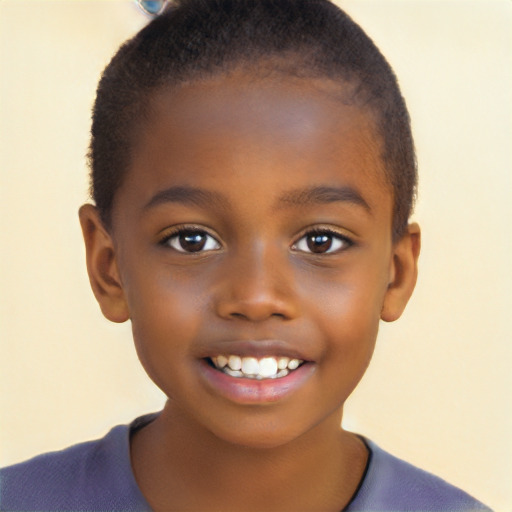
[[300, 197], [324, 195], [187, 195]]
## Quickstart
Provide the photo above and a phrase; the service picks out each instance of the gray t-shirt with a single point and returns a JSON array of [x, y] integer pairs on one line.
[[97, 476]]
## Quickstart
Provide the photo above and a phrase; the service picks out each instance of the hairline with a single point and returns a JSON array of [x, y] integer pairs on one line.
[[347, 92]]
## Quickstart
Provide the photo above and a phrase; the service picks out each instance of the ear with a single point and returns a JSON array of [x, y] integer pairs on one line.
[[404, 272], [102, 266]]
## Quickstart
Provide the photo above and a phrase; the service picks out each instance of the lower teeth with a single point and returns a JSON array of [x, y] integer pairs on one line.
[[237, 373]]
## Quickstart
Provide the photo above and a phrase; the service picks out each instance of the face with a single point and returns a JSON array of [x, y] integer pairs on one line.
[[254, 230]]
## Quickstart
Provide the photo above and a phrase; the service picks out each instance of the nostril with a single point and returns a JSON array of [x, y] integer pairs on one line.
[[249, 317], [238, 315]]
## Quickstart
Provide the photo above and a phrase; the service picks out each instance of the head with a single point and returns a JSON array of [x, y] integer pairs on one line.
[[197, 39], [253, 173]]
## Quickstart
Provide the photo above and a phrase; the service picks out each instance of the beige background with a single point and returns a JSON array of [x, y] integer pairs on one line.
[[438, 392]]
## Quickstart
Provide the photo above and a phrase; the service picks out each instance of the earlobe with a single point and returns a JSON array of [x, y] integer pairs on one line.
[[102, 266], [404, 273]]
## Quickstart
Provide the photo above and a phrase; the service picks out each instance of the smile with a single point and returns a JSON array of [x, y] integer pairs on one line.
[[254, 368]]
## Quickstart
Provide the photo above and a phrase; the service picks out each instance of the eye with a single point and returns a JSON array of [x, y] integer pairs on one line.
[[322, 242], [191, 240]]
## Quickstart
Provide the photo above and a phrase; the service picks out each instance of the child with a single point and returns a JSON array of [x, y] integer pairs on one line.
[[253, 174]]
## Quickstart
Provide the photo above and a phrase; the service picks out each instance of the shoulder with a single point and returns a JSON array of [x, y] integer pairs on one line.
[[391, 484], [94, 475]]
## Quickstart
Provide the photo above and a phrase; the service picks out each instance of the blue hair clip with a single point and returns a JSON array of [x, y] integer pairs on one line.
[[152, 7]]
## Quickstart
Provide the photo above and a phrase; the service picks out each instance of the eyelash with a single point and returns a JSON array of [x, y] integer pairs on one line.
[[174, 236], [331, 237], [342, 241]]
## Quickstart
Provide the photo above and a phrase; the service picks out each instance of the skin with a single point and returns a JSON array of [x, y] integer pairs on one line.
[[253, 145]]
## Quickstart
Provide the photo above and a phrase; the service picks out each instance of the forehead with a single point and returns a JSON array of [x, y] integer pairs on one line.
[[260, 132]]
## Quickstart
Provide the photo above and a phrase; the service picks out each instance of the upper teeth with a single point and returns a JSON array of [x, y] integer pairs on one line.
[[253, 368]]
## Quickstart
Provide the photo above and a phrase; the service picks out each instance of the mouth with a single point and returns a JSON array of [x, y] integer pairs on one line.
[[269, 367], [257, 372]]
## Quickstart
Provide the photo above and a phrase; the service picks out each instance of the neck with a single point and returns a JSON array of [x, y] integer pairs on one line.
[[179, 465]]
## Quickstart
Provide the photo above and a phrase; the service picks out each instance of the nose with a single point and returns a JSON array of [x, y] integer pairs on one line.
[[257, 285]]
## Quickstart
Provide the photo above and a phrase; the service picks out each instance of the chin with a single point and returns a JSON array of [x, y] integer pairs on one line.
[[259, 440], [259, 433]]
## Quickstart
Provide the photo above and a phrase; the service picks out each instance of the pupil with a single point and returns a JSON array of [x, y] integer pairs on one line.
[[192, 241], [319, 243]]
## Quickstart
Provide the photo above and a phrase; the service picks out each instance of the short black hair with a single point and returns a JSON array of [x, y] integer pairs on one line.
[[195, 39]]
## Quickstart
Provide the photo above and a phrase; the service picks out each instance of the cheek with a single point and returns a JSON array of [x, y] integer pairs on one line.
[[350, 321], [160, 298], [166, 315], [346, 310], [350, 298]]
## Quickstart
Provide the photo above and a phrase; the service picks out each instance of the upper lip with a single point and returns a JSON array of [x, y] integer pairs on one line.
[[255, 348]]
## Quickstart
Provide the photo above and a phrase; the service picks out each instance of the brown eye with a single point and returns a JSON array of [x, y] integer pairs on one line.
[[322, 242], [193, 241], [319, 243]]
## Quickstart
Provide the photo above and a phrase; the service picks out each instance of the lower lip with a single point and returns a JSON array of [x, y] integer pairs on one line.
[[252, 391]]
